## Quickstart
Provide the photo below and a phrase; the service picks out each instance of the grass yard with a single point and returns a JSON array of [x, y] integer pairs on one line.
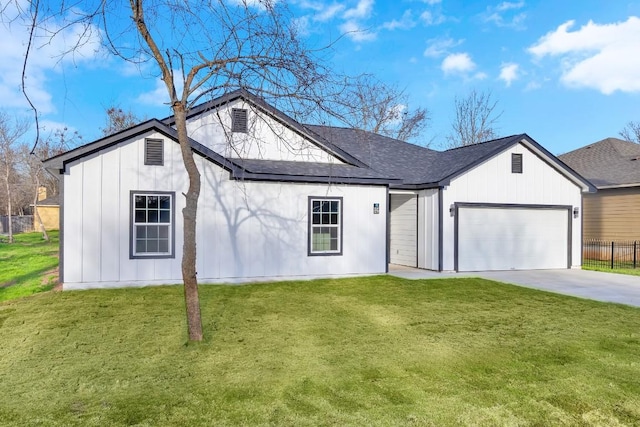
[[366, 351], [630, 271], [27, 265]]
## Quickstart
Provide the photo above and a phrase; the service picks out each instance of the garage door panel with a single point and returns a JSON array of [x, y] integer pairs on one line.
[[403, 229], [512, 238]]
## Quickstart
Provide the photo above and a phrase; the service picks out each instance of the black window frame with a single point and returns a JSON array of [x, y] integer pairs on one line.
[[239, 124], [516, 163], [150, 161], [133, 224], [339, 225]]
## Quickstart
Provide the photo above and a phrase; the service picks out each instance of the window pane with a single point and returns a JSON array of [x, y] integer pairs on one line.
[[325, 206], [333, 232], [141, 202], [153, 216], [334, 218], [165, 216], [334, 206], [316, 218], [141, 231], [163, 231], [152, 246], [325, 218], [152, 232], [165, 202], [334, 244], [141, 246], [141, 216], [316, 206], [152, 202], [163, 246]]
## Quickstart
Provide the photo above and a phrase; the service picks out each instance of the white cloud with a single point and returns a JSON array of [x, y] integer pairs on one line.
[[405, 23], [439, 47], [509, 73], [428, 18], [328, 12], [361, 11], [47, 56], [505, 15], [159, 97], [355, 32], [509, 5], [458, 63], [602, 57], [431, 2]]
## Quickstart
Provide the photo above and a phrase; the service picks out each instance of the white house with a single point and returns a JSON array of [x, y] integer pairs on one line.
[[281, 199]]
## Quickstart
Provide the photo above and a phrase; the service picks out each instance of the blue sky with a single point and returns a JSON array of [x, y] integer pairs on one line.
[[565, 72]]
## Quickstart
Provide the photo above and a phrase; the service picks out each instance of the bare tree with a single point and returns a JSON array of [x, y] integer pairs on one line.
[[631, 132], [475, 119], [11, 132], [117, 120], [202, 48], [374, 106]]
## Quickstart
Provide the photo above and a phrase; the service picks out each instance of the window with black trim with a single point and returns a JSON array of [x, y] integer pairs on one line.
[[516, 163], [153, 152], [239, 120], [325, 226], [152, 225]]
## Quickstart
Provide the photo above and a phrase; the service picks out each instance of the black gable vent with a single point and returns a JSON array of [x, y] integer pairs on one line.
[[153, 152], [239, 120], [516, 163]]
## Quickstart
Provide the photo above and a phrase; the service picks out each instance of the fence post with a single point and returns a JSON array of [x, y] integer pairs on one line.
[[635, 247], [612, 255]]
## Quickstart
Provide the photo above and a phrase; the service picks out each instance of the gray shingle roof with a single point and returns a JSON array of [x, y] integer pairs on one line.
[[610, 162], [413, 164], [369, 158]]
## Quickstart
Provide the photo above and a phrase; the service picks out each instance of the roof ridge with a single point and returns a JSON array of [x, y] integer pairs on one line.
[[520, 135]]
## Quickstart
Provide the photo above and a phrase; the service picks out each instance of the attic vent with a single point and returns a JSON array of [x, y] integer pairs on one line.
[[153, 152], [516, 163], [239, 120]]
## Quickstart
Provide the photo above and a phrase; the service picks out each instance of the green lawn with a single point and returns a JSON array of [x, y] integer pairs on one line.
[[366, 351], [629, 271], [25, 263]]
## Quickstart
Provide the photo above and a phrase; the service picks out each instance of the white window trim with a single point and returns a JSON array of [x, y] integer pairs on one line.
[[133, 229], [339, 226]]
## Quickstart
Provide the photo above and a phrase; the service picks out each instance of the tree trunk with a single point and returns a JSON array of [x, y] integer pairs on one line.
[[189, 274]]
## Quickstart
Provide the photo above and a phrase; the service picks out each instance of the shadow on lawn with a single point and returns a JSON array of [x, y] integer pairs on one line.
[[45, 275]]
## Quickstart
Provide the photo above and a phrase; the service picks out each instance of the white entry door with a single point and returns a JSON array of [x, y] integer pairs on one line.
[[403, 229]]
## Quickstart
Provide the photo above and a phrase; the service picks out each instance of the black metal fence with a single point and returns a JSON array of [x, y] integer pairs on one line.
[[608, 254], [19, 224]]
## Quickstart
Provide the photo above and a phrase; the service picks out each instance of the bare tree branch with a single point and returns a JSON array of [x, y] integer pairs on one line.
[[475, 119]]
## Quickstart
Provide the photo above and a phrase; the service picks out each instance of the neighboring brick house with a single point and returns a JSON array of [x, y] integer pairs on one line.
[[613, 167]]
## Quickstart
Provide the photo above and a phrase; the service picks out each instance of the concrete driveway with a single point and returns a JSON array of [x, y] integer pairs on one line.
[[595, 285]]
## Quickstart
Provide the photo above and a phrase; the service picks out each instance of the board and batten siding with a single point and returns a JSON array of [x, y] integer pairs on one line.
[[267, 139], [612, 214], [403, 229], [493, 182], [246, 230]]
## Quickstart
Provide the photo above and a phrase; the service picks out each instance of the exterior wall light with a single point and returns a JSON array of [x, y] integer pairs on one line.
[[576, 212], [452, 210]]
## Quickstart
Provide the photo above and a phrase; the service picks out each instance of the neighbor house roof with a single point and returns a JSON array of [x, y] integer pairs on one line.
[[611, 162]]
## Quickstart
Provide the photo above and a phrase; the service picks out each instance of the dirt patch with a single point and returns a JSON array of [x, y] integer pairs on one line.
[[50, 277], [7, 284]]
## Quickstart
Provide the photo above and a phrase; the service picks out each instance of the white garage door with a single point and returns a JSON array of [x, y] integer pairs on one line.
[[512, 238], [403, 229]]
